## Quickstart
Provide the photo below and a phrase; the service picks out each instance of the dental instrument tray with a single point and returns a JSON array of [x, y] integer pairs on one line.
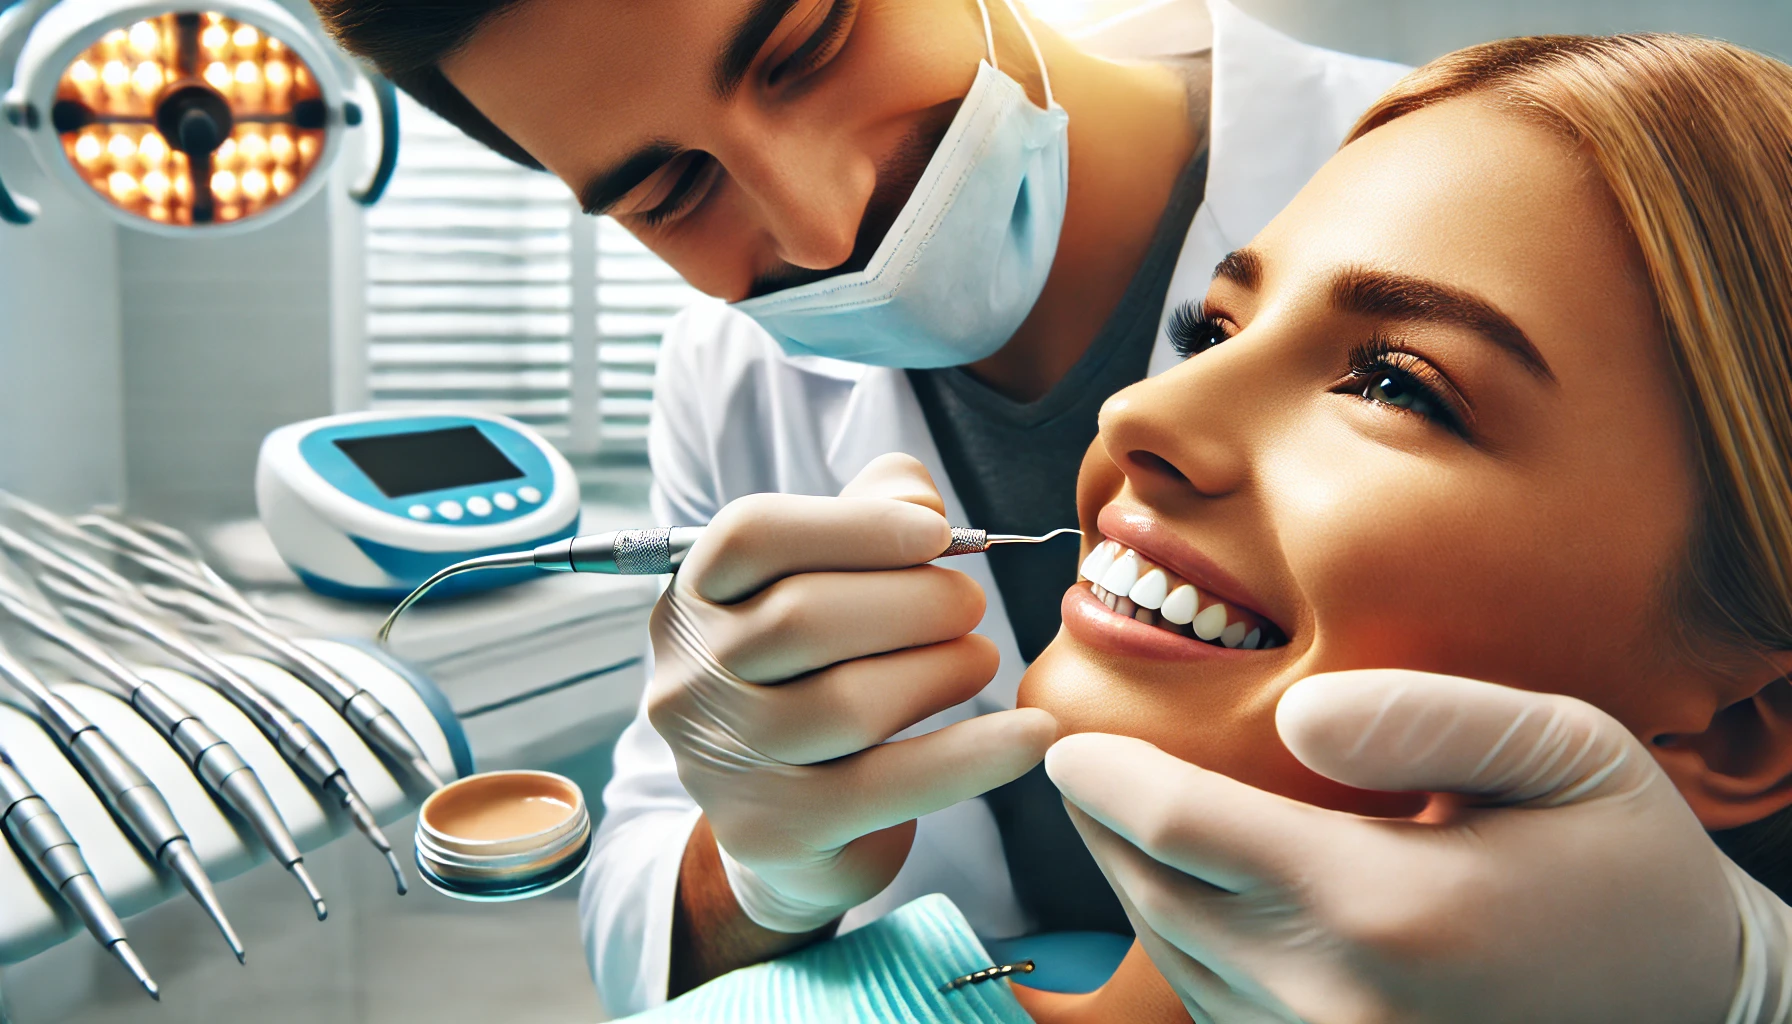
[[369, 505]]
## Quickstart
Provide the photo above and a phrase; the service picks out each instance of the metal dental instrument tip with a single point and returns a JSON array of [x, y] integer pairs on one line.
[[651, 552], [363, 819], [178, 855], [128, 957], [317, 900], [38, 833]]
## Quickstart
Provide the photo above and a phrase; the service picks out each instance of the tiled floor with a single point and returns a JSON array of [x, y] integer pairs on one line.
[[378, 959]]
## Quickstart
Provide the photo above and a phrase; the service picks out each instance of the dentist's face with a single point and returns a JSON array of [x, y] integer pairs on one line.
[[753, 144], [1431, 423]]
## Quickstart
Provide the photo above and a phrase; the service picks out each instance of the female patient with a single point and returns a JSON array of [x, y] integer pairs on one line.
[[1506, 393]]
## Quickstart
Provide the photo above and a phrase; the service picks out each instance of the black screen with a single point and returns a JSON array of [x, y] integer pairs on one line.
[[401, 464]]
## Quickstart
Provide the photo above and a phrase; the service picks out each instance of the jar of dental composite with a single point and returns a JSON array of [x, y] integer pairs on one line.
[[505, 835]]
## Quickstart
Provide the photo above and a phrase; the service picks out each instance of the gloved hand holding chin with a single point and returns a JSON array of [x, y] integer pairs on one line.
[[801, 633], [1573, 884]]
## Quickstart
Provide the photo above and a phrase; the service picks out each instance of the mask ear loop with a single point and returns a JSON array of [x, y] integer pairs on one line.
[[989, 35], [1045, 77]]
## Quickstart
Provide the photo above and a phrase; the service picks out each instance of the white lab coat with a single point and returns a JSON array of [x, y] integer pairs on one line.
[[733, 415]]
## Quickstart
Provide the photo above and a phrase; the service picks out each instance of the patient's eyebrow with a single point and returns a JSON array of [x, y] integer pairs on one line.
[[1242, 267], [1381, 293]]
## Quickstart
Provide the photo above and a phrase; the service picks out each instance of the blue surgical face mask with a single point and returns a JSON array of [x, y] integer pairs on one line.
[[968, 255]]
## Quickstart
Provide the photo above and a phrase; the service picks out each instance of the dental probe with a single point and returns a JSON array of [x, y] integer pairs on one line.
[[370, 719], [216, 763], [47, 845], [296, 741], [654, 551], [135, 804], [211, 598]]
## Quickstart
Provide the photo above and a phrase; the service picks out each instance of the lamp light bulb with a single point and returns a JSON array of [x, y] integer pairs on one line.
[[156, 186], [226, 152], [122, 186], [217, 75], [88, 149], [248, 73], [147, 78], [121, 147], [245, 37], [152, 150], [183, 187], [145, 39], [279, 73], [255, 185], [254, 146], [82, 73], [282, 180], [280, 147], [224, 185], [307, 148], [115, 74], [214, 38]]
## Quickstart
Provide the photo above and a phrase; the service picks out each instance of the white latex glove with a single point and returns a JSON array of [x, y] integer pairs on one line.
[[799, 634], [1573, 884]]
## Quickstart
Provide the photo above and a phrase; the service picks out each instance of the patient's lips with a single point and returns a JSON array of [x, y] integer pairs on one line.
[[1131, 585]]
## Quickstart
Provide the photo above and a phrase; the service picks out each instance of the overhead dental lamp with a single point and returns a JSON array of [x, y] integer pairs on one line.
[[202, 121]]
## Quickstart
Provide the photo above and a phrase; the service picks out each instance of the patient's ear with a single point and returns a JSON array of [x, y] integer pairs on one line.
[[1739, 770]]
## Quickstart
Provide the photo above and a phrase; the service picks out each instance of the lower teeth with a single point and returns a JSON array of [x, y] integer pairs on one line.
[[1125, 606]]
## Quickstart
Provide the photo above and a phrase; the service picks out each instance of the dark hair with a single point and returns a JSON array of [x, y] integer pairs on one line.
[[407, 40]]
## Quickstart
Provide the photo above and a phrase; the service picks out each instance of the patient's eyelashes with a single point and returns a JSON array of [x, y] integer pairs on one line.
[[1192, 331], [1404, 382]]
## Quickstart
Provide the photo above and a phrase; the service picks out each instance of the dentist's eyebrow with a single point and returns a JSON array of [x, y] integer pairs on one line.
[[1380, 293], [745, 42], [604, 188]]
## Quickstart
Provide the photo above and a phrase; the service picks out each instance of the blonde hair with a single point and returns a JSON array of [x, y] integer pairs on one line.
[[1694, 140]]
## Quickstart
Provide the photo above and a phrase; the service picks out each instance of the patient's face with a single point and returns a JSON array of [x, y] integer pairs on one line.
[[1431, 423]]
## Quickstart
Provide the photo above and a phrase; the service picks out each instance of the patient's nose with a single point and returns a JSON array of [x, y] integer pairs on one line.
[[1179, 432]]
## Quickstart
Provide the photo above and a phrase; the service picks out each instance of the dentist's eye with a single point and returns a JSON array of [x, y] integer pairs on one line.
[[822, 45], [690, 183], [1406, 383], [1193, 331]]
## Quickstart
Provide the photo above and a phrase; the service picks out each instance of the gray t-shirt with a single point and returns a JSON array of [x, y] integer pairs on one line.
[[1014, 466]]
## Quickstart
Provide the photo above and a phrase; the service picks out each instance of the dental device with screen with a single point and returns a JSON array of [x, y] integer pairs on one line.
[[369, 505]]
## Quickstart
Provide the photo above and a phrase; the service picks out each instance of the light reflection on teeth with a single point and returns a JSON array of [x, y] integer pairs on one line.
[[1122, 574], [1210, 622], [1133, 587], [1179, 607], [1098, 561], [1151, 590]]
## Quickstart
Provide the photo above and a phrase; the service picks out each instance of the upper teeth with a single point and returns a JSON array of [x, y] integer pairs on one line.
[[1121, 575]]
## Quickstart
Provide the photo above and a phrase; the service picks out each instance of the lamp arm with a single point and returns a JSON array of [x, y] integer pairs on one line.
[[16, 21], [386, 95]]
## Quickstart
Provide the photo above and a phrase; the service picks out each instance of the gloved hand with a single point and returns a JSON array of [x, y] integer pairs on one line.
[[799, 634], [1571, 883]]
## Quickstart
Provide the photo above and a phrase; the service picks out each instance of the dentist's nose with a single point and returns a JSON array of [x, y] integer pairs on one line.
[[813, 190], [1181, 431]]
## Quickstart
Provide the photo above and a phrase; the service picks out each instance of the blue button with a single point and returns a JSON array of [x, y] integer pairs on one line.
[[528, 494], [449, 510], [504, 500], [418, 511], [479, 506]]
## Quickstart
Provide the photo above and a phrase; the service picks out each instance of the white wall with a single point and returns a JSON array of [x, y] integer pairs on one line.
[[61, 412], [1414, 31]]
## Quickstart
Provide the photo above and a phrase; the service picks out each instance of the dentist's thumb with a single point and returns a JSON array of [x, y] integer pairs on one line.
[[1390, 729]]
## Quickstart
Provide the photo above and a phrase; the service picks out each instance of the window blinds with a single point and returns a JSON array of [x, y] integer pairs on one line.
[[487, 288]]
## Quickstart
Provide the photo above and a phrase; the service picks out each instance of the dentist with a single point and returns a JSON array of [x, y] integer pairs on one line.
[[940, 229]]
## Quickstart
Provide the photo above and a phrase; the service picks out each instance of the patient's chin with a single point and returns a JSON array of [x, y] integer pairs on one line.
[[1219, 721]]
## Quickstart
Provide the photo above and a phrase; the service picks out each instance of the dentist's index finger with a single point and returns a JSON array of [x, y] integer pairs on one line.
[[762, 538], [898, 477], [1398, 730]]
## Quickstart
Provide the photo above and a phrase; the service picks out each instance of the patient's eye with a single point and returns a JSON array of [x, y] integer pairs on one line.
[[1405, 382], [1193, 330]]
